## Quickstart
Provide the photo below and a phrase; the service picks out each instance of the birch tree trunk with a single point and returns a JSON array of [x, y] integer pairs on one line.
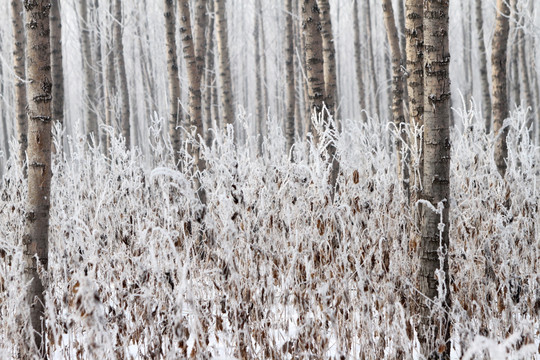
[[194, 79], [371, 60], [526, 85], [314, 56], [358, 61], [329, 56], [434, 327], [122, 77], [39, 161], [415, 68], [397, 87], [175, 117], [89, 79], [19, 59], [259, 109], [499, 83], [110, 89], [515, 90], [227, 99], [289, 75], [57, 69], [211, 114], [5, 137], [484, 82]]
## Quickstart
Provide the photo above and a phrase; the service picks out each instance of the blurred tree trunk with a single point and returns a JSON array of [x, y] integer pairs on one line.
[[122, 77], [358, 61], [175, 117], [289, 75], [39, 161], [397, 88], [515, 90], [57, 69], [303, 75], [99, 95], [484, 82], [371, 59], [19, 59], [211, 113], [5, 136], [227, 98], [259, 110], [434, 327], [200, 27], [88, 68], [499, 83], [525, 81], [110, 88], [329, 56]]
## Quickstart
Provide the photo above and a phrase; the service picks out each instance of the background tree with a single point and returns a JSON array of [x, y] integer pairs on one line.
[[358, 60], [57, 68], [226, 92], [484, 82], [39, 161], [289, 75], [499, 83], [434, 327], [20, 76], [122, 77], [175, 117]]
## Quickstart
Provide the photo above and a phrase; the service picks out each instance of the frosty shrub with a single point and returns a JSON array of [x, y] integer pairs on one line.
[[270, 267]]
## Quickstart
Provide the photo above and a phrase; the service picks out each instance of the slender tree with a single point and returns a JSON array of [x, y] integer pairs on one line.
[[289, 74], [175, 116], [523, 67], [122, 77], [374, 82], [3, 117], [484, 82], [210, 95], [194, 79], [434, 327], [311, 24], [110, 85], [57, 68], [358, 60], [88, 68], [39, 161], [499, 83], [329, 56], [260, 106], [397, 87], [19, 60], [227, 98]]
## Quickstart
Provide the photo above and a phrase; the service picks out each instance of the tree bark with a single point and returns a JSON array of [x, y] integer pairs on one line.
[[57, 69], [499, 83], [3, 114], [110, 89], [210, 77], [39, 161], [371, 60], [88, 68], [311, 24], [329, 56], [434, 328], [122, 77], [194, 80], [19, 60], [484, 82], [259, 109], [358, 61], [289, 75], [397, 88], [175, 117], [227, 98], [526, 85]]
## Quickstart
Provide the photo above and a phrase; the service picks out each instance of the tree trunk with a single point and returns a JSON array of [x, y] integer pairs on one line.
[[526, 85], [3, 117], [259, 109], [484, 82], [110, 90], [227, 99], [499, 83], [289, 75], [39, 161], [371, 60], [57, 69], [314, 56], [175, 117], [434, 328], [200, 26], [358, 61], [397, 88], [99, 94], [194, 78], [122, 77], [210, 78], [515, 90], [88, 68], [329, 57], [19, 60]]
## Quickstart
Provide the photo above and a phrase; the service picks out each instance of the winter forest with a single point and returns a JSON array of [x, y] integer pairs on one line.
[[269, 179]]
